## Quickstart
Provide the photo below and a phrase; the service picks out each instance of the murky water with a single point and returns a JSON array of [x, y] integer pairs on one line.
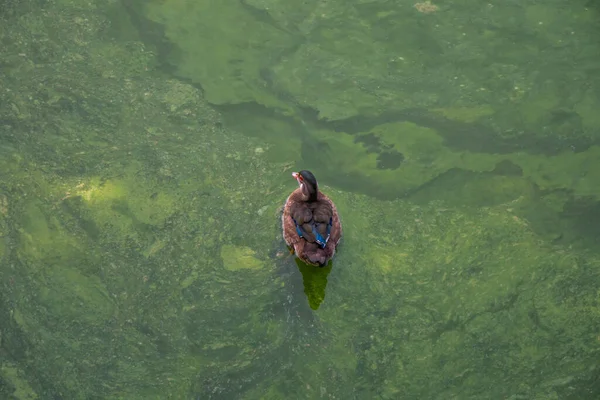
[[146, 149]]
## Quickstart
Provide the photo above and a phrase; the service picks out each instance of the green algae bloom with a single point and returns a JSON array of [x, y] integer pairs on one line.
[[235, 258], [146, 151]]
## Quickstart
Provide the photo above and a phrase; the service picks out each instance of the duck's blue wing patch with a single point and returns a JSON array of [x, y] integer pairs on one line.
[[321, 241], [299, 229]]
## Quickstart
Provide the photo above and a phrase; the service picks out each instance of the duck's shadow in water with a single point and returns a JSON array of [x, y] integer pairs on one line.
[[303, 289], [314, 280]]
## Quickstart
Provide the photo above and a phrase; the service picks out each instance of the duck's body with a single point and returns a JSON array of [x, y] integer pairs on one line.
[[311, 224]]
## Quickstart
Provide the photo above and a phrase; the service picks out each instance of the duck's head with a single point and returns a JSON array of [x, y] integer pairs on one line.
[[308, 184]]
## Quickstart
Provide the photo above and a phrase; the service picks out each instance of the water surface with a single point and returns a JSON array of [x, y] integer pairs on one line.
[[146, 149]]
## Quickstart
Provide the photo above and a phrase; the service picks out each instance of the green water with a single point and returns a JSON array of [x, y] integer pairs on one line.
[[146, 148]]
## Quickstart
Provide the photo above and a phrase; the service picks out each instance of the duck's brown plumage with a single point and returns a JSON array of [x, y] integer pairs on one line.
[[309, 207]]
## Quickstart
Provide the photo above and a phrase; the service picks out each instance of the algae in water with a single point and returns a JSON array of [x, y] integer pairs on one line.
[[130, 206]]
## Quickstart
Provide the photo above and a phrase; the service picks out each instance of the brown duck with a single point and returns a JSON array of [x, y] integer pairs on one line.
[[311, 225]]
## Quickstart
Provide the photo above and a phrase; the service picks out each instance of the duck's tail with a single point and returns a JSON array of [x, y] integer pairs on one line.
[[317, 255]]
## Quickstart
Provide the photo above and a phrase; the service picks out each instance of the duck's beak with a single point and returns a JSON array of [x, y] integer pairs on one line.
[[298, 178]]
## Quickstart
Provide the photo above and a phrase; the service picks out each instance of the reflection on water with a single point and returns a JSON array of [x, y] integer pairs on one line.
[[315, 282], [145, 153]]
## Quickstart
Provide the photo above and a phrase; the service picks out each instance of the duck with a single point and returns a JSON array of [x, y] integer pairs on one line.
[[310, 222]]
